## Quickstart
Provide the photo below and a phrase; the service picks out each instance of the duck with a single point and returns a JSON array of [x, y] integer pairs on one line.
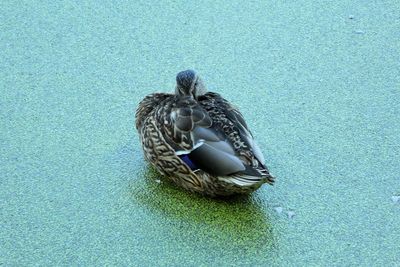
[[199, 140]]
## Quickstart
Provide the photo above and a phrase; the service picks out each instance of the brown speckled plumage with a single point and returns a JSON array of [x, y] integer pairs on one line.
[[207, 129]]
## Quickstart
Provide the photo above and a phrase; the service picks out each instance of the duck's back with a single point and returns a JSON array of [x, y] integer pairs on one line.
[[147, 106]]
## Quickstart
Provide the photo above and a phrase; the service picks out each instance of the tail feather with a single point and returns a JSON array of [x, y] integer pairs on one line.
[[259, 173], [244, 180]]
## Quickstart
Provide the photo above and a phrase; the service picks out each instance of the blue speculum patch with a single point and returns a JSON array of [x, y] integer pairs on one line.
[[188, 162]]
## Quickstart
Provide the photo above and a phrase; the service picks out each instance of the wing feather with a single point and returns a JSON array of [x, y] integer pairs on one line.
[[213, 136]]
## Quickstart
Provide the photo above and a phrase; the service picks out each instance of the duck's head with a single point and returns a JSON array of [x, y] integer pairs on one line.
[[188, 83]]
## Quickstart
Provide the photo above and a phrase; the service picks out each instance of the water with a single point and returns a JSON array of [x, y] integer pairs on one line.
[[318, 84]]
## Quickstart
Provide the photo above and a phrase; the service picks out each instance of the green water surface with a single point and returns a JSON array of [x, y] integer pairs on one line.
[[318, 82]]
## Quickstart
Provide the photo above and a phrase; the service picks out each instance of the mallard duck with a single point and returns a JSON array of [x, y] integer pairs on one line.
[[199, 140]]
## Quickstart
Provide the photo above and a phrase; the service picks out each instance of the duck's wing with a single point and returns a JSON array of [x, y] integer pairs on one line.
[[229, 116], [188, 128], [209, 138]]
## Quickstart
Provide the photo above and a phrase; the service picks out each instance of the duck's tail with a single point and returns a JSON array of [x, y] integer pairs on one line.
[[250, 177]]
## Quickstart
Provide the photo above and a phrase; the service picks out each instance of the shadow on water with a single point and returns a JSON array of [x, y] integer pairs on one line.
[[238, 221], [195, 225]]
